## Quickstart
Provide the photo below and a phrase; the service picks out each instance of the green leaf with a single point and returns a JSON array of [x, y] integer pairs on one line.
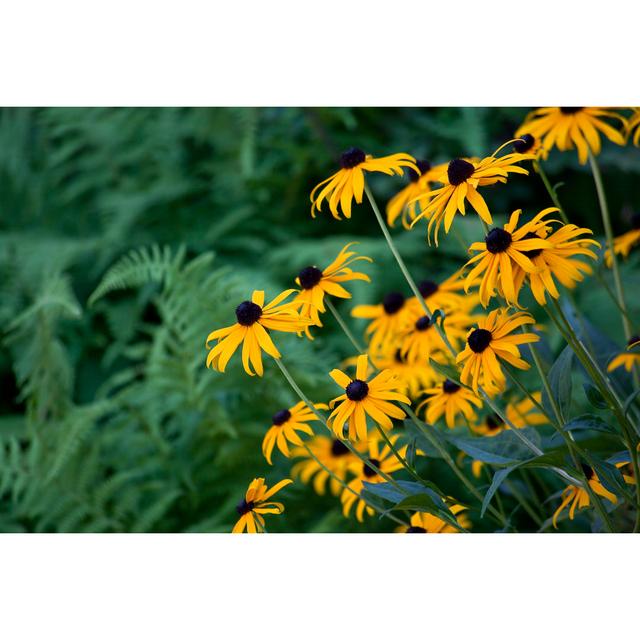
[[586, 422], [423, 442], [504, 449], [498, 478], [560, 383], [594, 396]]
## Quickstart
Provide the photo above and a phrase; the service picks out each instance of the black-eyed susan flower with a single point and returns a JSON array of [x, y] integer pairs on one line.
[[578, 496], [315, 284], [331, 463], [254, 320], [461, 185], [633, 126], [494, 340], [531, 145], [559, 262], [284, 427], [450, 400], [623, 244], [572, 127], [347, 184], [428, 523], [502, 251], [420, 340], [381, 457], [627, 358], [361, 398], [256, 504], [446, 295], [388, 319], [410, 200], [521, 413], [411, 377]]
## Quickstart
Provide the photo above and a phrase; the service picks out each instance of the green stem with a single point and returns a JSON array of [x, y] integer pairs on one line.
[[550, 190], [521, 499], [606, 221], [343, 325]]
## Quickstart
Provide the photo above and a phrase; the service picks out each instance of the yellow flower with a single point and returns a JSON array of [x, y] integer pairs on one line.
[[521, 414], [410, 199], [420, 340], [284, 426], [491, 342], [362, 398], [461, 184], [428, 523], [381, 457], [449, 399], [446, 295], [526, 143], [572, 127], [348, 183], [634, 123], [627, 358], [410, 378], [558, 261], [333, 456], [578, 496], [316, 283], [253, 321], [623, 244], [255, 504], [387, 319], [502, 251]]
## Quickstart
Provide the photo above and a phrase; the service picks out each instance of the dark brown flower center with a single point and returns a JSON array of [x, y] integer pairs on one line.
[[524, 143], [244, 506], [587, 470], [357, 390], [281, 417], [248, 313], [632, 340], [498, 240], [309, 277], [423, 167], [635, 221], [427, 288], [393, 302], [532, 253], [423, 323], [459, 171], [493, 421], [448, 386], [569, 110], [352, 158], [338, 448], [414, 529], [368, 471], [479, 340]]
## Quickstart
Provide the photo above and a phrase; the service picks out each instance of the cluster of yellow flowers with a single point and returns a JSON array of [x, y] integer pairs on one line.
[[443, 326]]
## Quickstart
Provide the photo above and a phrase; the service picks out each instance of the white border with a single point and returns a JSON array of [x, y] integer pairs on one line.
[[318, 586]]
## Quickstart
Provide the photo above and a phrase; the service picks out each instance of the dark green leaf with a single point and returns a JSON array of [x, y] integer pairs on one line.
[[594, 396], [560, 383], [505, 448]]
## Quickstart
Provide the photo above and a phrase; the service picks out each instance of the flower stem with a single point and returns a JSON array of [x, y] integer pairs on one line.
[[343, 325], [550, 190], [606, 221]]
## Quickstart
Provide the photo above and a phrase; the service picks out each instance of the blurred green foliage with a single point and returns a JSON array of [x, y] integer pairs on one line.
[[109, 419]]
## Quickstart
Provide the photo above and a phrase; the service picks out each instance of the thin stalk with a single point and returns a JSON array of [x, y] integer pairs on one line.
[[606, 221], [396, 453], [343, 325], [550, 190]]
